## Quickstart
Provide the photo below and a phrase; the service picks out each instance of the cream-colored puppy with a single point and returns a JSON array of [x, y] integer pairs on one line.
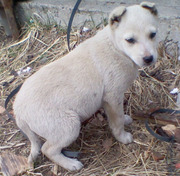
[[54, 101]]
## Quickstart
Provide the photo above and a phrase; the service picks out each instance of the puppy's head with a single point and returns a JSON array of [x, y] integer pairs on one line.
[[133, 32]]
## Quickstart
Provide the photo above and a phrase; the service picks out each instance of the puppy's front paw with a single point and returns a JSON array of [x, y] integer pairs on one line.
[[125, 137], [74, 165], [128, 120]]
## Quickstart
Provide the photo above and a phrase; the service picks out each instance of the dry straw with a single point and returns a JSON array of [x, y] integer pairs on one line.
[[39, 45]]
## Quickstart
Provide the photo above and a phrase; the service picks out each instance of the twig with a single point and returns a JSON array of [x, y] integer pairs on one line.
[[140, 143], [41, 53], [102, 164], [9, 133], [11, 146], [42, 166], [14, 133], [15, 44], [144, 164], [158, 82], [38, 174]]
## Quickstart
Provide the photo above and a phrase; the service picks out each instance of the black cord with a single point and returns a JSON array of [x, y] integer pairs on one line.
[[14, 92], [161, 138], [171, 140], [71, 20]]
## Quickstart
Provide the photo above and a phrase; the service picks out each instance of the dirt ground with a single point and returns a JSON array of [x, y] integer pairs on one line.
[[100, 153]]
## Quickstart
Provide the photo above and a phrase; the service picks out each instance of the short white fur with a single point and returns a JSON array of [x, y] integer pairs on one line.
[[54, 101]]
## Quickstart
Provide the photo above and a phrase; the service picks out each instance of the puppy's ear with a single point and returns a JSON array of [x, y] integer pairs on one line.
[[150, 6], [116, 15]]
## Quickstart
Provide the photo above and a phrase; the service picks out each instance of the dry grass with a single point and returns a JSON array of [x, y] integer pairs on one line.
[[101, 153], [156, 81]]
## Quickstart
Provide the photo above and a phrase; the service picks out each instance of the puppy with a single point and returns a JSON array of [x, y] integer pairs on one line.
[[54, 101]]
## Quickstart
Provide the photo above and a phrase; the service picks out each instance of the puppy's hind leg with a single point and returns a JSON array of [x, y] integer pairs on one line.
[[35, 142], [53, 152], [63, 137]]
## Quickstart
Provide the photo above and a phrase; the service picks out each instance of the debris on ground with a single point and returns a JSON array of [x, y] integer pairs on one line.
[[101, 154]]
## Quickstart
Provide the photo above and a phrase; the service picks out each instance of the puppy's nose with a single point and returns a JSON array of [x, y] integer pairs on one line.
[[148, 59]]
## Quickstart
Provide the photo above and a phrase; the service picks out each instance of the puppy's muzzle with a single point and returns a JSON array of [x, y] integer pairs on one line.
[[148, 59]]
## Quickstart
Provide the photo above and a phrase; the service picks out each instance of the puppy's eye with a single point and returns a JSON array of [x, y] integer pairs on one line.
[[131, 40], [152, 35]]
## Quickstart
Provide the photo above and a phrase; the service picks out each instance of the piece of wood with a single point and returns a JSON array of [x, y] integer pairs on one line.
[[12, 164], [8, 19]]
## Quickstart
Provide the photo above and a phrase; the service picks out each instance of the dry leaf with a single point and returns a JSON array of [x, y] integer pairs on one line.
[[157, 156], [169, 129], [178, 155], [96, 121], [107, 144], [12, 164], [2, 110], [172, 130], [177, 166], [177, 135]]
